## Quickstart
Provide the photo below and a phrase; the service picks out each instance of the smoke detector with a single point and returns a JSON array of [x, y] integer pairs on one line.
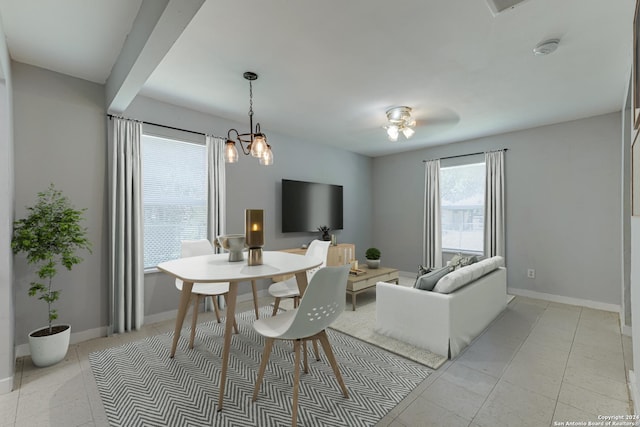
[[546, 47]]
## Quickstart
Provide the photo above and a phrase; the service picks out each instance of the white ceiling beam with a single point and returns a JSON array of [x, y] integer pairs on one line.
[[156, 28]]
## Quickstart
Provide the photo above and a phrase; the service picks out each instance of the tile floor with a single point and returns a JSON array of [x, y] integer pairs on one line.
[[537, 364]]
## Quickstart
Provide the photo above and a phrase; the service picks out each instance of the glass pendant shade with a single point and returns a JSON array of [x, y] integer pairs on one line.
[[408, 132], [230, 152], [267, 157], [392, 133], [258, 146]]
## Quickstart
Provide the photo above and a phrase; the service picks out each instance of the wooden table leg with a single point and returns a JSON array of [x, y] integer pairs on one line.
[[301, 278], [228, 332], [185, 297], [353, 301], [255, 298]]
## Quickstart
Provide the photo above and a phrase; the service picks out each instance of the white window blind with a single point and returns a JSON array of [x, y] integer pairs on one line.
[[462, 207], [174, 196]]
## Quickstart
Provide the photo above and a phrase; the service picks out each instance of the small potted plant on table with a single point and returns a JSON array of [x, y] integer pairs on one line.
[[373, 257], [50, 235]]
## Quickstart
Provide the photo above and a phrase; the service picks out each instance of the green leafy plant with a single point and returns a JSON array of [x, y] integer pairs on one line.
[[372, 254], [50, 235]]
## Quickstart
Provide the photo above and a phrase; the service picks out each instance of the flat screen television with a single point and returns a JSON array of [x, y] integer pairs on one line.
[[309, 205]]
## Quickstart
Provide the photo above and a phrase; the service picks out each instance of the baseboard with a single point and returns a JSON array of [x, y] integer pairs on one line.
[[6, 385], [22, 350], [76, 337], [565, 300], [633, 390]]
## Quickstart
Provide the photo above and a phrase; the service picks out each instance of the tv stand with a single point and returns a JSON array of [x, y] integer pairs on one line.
[[335, 256]]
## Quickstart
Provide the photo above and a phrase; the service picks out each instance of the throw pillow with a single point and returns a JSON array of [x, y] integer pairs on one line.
[[422, 271], [427, 281], [468, 260], [454, 262]]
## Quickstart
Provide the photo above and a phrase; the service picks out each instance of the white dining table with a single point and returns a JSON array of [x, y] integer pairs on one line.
[[217, 268]]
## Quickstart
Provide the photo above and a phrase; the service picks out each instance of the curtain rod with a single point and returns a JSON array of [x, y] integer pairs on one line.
[[167, 127], [465, 155]]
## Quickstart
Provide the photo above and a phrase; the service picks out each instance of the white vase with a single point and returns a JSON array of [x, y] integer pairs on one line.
[[49, 349], [373, 263]]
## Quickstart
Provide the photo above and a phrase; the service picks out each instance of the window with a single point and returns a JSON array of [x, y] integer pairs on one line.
[[462, 207], [174, 177]]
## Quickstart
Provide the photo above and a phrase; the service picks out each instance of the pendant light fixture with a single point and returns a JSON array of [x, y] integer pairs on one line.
[[256, 141]]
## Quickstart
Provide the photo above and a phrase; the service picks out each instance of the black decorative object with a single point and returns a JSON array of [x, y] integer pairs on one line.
[[325, 233]]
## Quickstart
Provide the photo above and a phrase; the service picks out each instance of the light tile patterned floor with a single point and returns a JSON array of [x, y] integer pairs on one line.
[[539, 362]]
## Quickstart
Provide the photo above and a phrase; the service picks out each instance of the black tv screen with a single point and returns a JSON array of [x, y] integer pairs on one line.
[[309, 205]]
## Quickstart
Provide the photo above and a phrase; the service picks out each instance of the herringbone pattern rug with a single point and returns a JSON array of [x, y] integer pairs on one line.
[[141, 386]]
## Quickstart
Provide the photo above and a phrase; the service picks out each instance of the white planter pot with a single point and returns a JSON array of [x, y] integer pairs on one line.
[[373, 263], [49, 349]]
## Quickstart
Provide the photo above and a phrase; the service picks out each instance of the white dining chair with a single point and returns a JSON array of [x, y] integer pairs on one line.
[[200, 291], [322, 303], [289, 288]]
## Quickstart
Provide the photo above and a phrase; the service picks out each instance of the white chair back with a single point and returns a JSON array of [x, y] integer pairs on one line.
[[317, 249], [191, 248], [322, 303]]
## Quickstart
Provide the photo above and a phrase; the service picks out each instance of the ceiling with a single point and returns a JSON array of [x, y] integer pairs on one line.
[[329, 70]]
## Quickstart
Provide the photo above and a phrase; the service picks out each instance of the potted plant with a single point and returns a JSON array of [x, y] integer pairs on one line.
[[325, 233], [373, 257], [50, 235]]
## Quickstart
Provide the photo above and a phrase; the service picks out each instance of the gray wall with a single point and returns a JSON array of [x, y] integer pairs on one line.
[[250, 185], [60, 137], [563, 206], [7, 358]]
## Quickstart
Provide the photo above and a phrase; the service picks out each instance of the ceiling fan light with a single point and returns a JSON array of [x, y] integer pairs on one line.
[[230, 152], [408, 132], [392, 133]]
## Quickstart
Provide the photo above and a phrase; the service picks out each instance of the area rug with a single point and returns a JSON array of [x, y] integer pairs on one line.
[[141, 386], [360, 324]]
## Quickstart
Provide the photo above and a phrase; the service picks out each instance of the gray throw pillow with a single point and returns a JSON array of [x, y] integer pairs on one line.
[[428, 281]]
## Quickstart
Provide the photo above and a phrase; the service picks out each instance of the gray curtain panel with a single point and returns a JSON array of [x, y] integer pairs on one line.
[[432, 243], [494, 204], [126, 256], [216, 200]]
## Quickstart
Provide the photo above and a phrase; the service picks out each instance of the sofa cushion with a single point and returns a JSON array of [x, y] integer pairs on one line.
[[465, 275], [426, 282]]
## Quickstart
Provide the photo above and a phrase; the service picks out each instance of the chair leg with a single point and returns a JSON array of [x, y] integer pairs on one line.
[[296, 383], [194, 319], [276, 304], [235, 324], [315, 349], [305, 357], [324, 340], [268, 344], [296, 302], [216, 308], [255, 298]]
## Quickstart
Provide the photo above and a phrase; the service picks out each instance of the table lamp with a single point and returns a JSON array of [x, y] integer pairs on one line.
[[254, 232]]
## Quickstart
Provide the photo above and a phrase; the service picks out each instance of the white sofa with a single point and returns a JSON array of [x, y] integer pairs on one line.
[[444, 323]]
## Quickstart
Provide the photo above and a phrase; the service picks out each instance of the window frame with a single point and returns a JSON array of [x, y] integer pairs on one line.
[[454, 163], [176, 136]]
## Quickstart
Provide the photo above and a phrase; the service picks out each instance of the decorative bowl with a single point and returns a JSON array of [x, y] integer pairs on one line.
[[234, 243]]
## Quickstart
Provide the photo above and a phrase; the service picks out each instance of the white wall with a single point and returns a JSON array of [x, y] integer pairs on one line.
[[563, 206]]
